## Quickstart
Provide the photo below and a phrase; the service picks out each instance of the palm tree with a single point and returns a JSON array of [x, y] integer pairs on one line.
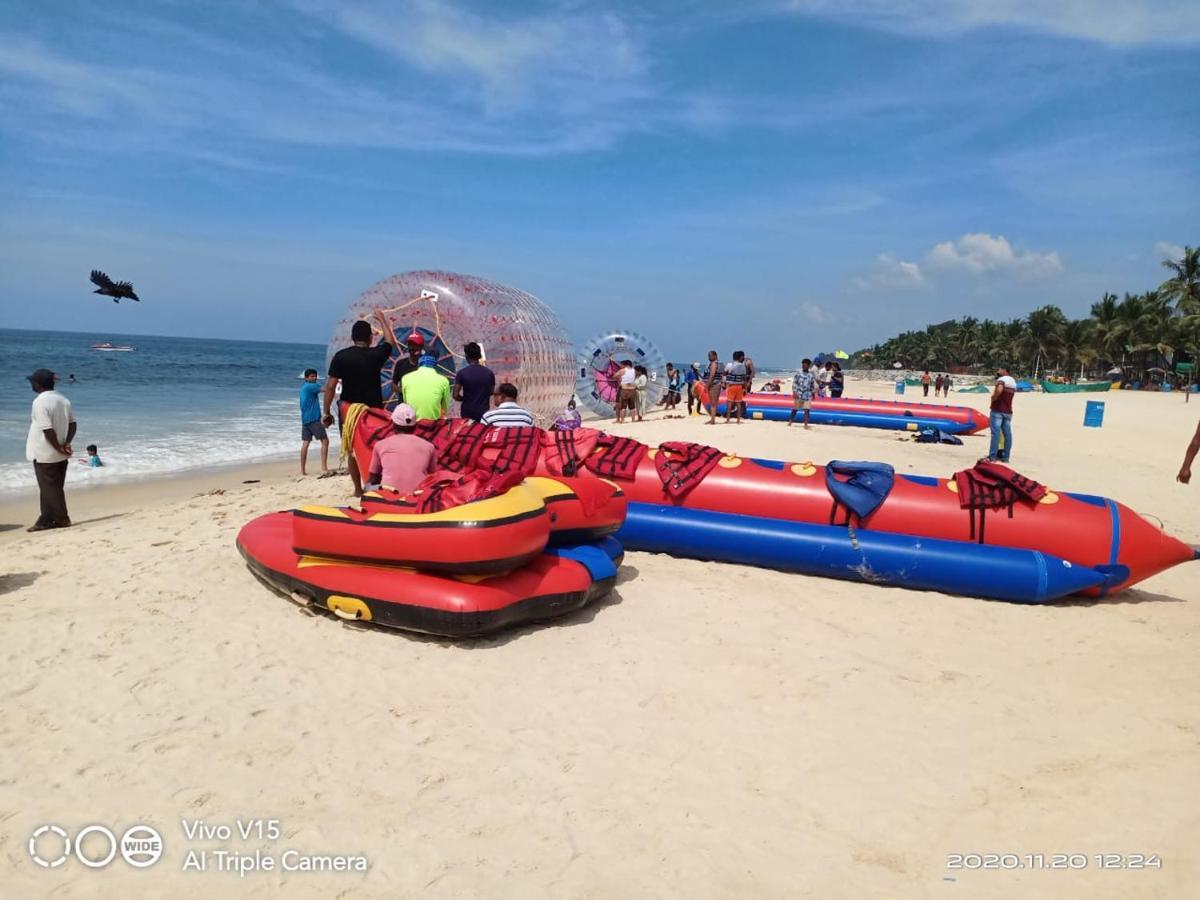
[[1183, 288], [1075, 344], [1044, 332]]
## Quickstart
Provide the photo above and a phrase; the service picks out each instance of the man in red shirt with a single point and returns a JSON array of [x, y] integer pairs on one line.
[[401, 460], [1001, 418]]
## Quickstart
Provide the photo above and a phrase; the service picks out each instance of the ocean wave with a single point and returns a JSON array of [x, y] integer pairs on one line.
[[231, 442]]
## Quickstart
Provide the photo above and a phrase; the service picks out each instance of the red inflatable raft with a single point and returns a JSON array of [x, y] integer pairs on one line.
[[552, 584], [580, 510]]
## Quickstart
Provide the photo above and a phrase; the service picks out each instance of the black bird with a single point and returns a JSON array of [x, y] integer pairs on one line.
[[118, 290]]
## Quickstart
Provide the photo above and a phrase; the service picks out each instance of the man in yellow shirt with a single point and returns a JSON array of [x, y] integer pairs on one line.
[[426, 390]]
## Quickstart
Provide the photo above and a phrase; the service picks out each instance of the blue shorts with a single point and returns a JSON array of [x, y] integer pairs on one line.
[[313, 429]]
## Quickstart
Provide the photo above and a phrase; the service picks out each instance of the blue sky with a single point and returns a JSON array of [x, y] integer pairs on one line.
[[781, 176]]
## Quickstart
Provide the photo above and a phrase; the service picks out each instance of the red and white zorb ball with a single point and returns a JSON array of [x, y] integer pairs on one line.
[[522, 339]]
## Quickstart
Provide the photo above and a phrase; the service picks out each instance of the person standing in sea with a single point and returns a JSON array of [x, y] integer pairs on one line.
[[474, 384], [357, 369], [48, 447]]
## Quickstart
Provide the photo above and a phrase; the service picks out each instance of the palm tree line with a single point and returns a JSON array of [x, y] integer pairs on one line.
[[1158, 328]]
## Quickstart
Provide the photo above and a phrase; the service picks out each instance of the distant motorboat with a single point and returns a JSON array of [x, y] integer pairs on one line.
[[106, 347]]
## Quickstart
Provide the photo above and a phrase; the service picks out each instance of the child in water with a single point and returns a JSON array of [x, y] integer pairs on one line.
[[93, 460]]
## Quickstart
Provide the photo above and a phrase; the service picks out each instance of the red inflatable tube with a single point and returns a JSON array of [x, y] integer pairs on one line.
[[492, 535], [582, 510], [549, 586], [972, 418]]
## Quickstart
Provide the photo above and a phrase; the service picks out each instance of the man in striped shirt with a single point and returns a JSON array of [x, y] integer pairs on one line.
[[507, 414]]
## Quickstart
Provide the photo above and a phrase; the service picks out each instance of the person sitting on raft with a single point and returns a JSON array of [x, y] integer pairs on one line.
[[507, 414], [402, 459]]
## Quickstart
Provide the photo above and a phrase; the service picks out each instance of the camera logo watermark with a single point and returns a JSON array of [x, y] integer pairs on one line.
[[141, 846]]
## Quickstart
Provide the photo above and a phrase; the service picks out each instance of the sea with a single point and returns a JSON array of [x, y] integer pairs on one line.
[[171, 405]]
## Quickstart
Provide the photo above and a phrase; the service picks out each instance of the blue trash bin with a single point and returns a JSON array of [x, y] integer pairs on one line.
[[1093, 414], [900, 386]]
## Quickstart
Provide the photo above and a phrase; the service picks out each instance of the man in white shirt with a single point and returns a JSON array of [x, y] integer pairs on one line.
[[507, 414], [48, 447]]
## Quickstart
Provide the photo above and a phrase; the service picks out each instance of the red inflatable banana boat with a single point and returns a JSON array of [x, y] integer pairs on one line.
[[1084, 529], [972, 419], [552, 584]]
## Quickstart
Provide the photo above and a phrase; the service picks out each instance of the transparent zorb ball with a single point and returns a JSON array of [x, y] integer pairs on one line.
[[598, 367], [522, 339]]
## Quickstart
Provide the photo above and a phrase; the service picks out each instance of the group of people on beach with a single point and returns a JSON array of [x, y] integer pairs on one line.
[[941, 384], [418, 392]]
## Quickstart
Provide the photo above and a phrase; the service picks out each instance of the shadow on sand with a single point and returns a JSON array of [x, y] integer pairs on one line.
[[17, 580]]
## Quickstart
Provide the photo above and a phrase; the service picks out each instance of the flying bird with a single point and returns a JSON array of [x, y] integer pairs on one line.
[[118, 290]]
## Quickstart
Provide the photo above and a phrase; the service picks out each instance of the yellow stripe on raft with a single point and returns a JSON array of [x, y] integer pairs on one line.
[[547, 488], [518, 501]]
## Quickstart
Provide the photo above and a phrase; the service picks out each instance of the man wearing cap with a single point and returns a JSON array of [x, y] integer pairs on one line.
[[415, 343], [427, 390], [401, 460], [51, 430]]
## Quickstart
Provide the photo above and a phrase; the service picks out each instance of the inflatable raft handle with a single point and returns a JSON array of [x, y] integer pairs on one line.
[[346, 614], [300, 599]]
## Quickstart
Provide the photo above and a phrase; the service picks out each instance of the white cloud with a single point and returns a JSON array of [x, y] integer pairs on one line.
[[813, 314], [426, 75], [1167, 250], [978, 253], [1127, 22], [891, 272], [972, 254]]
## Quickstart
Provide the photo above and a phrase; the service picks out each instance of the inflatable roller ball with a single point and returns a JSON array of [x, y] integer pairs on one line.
[[600, 358], [522, 339]]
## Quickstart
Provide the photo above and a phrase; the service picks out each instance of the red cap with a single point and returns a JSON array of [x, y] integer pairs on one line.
[[415, 338]]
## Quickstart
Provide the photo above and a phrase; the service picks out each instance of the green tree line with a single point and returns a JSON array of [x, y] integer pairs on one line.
[[1137, 331]]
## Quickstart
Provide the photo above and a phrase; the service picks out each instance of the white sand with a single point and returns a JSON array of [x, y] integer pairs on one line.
[[712, 730]]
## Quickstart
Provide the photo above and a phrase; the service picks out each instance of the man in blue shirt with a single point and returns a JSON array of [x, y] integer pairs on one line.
[[474, 384], [310, 421]]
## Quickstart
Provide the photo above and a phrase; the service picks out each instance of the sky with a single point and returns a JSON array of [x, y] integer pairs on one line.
[[783, 176]]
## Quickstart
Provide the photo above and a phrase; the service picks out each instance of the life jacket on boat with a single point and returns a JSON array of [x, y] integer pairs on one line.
[[682, 465], [564, 452], [441, 491], [439, 432], [618, 457], [461, 452], [860, 487], [520, 448], [993, 486]]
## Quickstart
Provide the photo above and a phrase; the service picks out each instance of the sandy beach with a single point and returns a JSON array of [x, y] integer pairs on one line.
[[710, 730]]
